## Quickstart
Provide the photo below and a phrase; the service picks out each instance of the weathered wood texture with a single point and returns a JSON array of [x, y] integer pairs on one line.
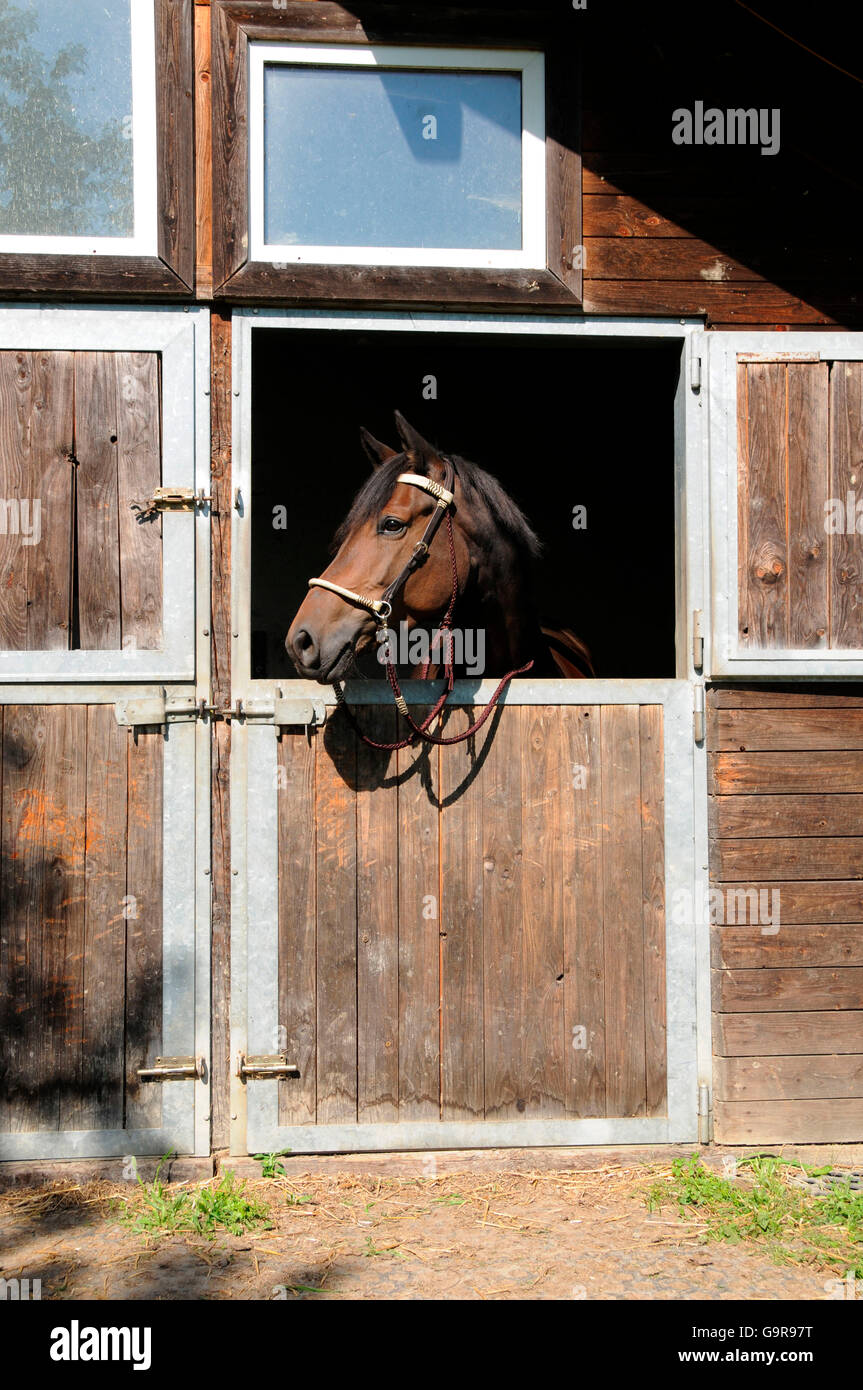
[[705, 229], [81, 906], [787, 944], [80, 442], [476, 931], [799, 440]]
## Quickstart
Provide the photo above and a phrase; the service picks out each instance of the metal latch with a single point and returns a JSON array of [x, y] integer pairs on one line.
[[286, 711], [174, 1069], [156, 709], [171, 499], [273, 1066]]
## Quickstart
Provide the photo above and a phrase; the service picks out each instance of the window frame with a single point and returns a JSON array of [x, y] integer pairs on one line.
[[241, 277], [159, 258]]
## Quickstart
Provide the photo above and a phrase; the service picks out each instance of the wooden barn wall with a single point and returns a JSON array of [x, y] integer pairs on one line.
[[81, 913], [786, 820]]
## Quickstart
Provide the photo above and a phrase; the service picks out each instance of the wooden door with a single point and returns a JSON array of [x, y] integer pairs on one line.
[[97, 944], [469, 942]]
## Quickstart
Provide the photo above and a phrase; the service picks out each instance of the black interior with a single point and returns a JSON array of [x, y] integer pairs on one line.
[[560, 423]]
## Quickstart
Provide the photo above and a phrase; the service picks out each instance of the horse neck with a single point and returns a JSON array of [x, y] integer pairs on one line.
[[497, 599]]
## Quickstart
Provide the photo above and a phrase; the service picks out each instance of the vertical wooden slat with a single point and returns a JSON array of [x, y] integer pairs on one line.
[[103, 1053], [763, 492], [808, 480], [97, 521], [461, 922], [297, 937], [203, 154], [541, 938], [846, 477], [337, 925], [35, 468], [623, 911], [419, 932], [377, 923], [143, 923], [26, 1104], [653, 895], [139, 471], [502, 920], [583, 915]]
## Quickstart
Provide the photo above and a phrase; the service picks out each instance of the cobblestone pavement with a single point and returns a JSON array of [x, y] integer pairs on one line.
[[561, 1235]]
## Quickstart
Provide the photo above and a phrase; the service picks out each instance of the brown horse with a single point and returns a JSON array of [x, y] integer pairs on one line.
[[493, 546]]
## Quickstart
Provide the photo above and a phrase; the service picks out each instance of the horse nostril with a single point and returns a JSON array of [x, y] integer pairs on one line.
[[305, 647]]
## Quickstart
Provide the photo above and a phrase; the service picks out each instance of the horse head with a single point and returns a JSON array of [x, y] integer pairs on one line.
[[386, 521]]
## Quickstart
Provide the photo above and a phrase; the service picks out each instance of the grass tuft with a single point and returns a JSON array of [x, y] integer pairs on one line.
[[217, 1206]]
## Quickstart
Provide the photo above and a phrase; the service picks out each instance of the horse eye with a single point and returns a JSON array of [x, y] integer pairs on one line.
[[392, 526]]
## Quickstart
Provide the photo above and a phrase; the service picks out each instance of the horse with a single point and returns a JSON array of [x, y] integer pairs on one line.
[[481, 580]]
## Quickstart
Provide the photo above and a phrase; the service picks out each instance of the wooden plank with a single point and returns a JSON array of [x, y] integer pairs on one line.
[[735, 774], [788, 1078], [563, 165], [36, 435], [143, 922], [335, 802], [462, 1033], [139, 471], [540, 940], [749, 948], [737, 261], [787, 697], [257, 281], [805, 814], [176, 134], [827, 900], [791, 858], [203, 155], [66, 277], [295, 793], [744, 730], [221, 511], [724, 305], [787, 1034], [653, 894], [377, 922], [102, 1044], [762, 503], [846, 441], [808, 482], [802, 988], [623, 911], [788, 1121], [96, 483], [583, 909], [502, 921], [419, 945]]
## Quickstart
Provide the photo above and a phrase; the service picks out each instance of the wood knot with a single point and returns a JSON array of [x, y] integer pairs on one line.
[[768, 563]]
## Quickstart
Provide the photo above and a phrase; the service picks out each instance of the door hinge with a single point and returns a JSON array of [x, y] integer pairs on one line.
[[698, 713], [139, 710], [274, 1066], [174, 1069], [697, 639], [695, 371], [705, 1114]]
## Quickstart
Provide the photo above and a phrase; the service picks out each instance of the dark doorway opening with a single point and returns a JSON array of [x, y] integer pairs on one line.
[[562, 424]]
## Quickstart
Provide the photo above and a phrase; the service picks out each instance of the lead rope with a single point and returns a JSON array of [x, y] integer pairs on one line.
[[401, 702]]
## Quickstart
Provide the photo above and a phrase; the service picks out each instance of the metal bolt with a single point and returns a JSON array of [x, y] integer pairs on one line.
[[208, 871], [206, 632]]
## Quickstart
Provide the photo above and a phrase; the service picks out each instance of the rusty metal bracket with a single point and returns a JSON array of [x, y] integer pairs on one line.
[[274, 1066], [174, 1069]]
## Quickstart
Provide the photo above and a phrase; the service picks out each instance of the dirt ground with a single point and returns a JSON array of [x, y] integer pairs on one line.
[[506, 1235]]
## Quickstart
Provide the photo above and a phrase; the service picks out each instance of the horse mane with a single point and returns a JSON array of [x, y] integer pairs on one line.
[[500, 514]]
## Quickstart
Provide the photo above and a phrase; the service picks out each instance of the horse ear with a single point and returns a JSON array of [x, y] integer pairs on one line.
[[378, 453], [417, 448]]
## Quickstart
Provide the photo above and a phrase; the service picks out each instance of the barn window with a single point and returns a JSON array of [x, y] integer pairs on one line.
[[397, 156], [78, 128]]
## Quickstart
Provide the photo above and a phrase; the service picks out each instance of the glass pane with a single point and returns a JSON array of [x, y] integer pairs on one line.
[[361, 157], [65, 118]]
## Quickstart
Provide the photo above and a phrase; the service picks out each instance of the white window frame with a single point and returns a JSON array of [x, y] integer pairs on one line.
[[727, 657], [529, 65], [144, 241], [181, 337]]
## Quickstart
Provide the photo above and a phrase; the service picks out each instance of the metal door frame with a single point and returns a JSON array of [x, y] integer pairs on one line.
[[184, 335], [254, 899]]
